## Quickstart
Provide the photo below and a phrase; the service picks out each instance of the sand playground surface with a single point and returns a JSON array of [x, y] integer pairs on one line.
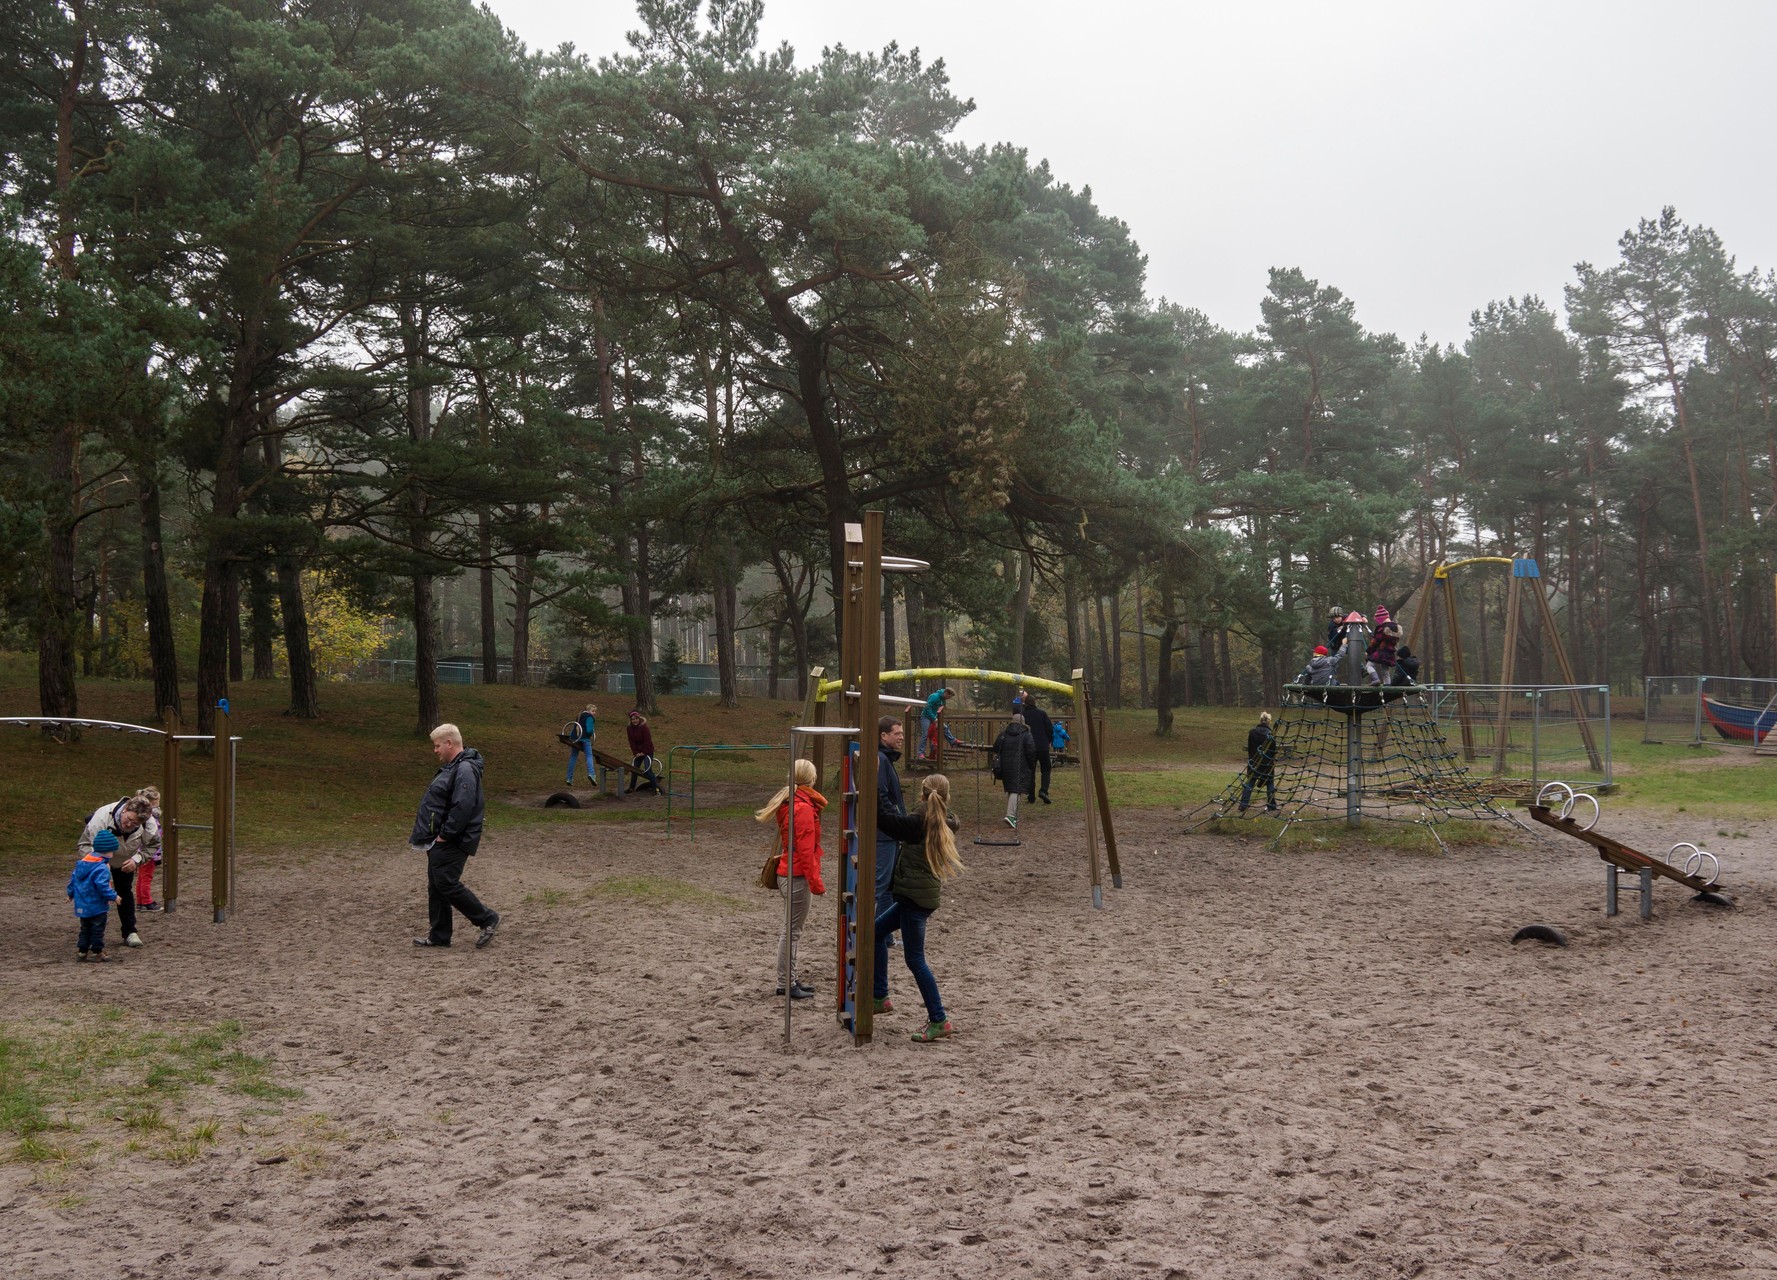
[[1251, 1064]]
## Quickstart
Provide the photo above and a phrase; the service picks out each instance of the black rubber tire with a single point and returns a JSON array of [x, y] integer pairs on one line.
[[1714, 898], [1540, 933], [562, 800]]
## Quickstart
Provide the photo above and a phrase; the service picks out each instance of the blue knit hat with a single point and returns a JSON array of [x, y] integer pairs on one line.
[[105, 841]]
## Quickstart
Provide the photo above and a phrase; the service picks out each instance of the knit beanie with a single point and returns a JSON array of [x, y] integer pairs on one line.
[[1381, 614], [1320, 651], [105, 841]]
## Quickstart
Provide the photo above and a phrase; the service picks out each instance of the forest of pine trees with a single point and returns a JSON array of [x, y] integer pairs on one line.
[[365, 301]]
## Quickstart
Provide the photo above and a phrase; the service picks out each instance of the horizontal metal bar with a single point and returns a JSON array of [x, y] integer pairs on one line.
[[75, 723]]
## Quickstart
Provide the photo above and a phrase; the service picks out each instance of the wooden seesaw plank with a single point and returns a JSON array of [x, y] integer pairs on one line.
[[1618, 852]]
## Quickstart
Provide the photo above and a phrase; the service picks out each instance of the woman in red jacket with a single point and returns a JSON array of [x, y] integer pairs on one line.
[[798, 828]]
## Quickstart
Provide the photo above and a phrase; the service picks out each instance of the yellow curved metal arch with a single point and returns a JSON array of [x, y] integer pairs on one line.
[[957, 673], [1443, 569]]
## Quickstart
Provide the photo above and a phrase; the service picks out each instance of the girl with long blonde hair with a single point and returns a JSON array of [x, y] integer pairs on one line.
[[921, 871], [798, 818]]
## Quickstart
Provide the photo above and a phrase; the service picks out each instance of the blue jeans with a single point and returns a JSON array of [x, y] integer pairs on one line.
[[911, 921], [92, 932], [1246, 792], [574, 753]]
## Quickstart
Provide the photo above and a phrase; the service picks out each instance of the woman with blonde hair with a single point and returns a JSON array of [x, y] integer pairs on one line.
[[914, 892], [798, 820]]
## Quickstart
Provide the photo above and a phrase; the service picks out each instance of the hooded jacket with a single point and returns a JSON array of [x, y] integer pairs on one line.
[[914, 879], [1319, 670], [130, 845], [1017, 753], [808, 806], [451, 811], [90, 885]]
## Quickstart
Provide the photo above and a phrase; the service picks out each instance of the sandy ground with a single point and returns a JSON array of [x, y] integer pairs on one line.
[[1250, 1064]]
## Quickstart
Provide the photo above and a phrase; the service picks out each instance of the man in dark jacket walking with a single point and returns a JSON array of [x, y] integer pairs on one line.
[[448, 830], [1042, 732]]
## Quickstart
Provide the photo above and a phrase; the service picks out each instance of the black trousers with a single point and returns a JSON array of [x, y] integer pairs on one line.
[[1042, 766], [123, 879], [445, 889]]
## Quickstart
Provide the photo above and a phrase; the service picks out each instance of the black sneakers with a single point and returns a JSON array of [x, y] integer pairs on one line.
[[798, 991], [487, 932]]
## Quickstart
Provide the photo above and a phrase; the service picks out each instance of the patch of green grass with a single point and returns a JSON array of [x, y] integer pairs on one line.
[[660, 891], [129, 1083], [653, 891]]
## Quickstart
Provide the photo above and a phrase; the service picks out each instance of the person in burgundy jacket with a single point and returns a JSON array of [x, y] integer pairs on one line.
[[641, 747]]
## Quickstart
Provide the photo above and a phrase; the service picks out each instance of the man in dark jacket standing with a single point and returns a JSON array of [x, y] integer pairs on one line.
[[891, 737], [1042, 731], [1261, 757], [448, 830]]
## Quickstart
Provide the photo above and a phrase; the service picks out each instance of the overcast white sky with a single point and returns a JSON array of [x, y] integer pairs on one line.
[[1423, 157]]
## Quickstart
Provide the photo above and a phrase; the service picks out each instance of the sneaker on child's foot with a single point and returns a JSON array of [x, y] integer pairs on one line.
[[134, 940], [934, 1031], [884, 1005], [1012, 822], [151, 906]]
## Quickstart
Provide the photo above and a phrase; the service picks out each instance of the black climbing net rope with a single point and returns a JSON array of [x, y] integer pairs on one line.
[[1384, 745]]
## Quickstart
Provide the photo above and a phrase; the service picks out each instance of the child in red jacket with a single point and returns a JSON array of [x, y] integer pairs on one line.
[[798, 872]]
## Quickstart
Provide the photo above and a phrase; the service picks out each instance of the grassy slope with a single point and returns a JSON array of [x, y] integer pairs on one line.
[[357, 772]]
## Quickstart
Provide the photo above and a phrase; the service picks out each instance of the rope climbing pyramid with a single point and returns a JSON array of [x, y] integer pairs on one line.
[[1355, 754]]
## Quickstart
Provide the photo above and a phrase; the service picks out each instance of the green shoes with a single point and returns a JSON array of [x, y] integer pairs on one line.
[[934, 1031]]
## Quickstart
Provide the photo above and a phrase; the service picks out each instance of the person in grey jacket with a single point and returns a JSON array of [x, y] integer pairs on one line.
[[448, 830], [1015, 760]]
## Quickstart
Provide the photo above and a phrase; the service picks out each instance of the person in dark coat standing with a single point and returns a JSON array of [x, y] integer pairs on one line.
[[891, 808], [1042, 730], [1015, 760], [448, 830], [1261, 755]]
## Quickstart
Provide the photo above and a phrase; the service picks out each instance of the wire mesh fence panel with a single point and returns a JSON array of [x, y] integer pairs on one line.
[[1537, 733], [1671, 710]]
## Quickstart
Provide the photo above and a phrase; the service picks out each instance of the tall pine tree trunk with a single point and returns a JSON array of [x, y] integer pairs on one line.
[[58, 613], [163, 655], [419, 432], [305, 701], [1021, 607], [490, 636], [263, 623], [524, 572]]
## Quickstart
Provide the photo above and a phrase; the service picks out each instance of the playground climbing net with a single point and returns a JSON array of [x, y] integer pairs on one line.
[[1356, 754]]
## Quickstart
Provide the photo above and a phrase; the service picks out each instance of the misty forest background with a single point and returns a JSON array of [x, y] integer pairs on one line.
[[320, 313]]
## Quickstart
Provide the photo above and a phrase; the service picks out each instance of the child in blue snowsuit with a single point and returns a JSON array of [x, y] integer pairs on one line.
[[92, 894]]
